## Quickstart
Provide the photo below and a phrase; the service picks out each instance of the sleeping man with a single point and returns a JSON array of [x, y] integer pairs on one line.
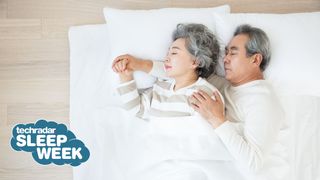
[[251, 125]]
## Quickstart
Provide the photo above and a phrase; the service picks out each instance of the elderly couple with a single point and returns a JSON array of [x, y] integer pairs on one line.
[[242, 107]]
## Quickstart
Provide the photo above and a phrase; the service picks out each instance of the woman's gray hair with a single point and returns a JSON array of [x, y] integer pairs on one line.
[[258, 43], [202, 44]]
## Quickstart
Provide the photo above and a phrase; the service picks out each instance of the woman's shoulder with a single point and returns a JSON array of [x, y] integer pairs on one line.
[[163, 83]]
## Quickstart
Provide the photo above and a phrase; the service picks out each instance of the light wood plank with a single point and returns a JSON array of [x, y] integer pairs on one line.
[[139, 4], [21, 165], [74, 8], [57, 28], [35, 50], [56, 9], [42, 91], [3, 115], [10, 158], [277, 7], [34, 70], [255, 6], [3, 8], [20, 28], [61, 173], [31, 112]]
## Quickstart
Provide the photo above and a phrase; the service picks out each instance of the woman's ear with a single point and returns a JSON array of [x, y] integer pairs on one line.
[[195, 64]]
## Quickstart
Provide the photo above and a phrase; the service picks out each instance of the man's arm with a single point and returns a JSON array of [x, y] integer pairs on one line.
[[261, 127], [249, 144]]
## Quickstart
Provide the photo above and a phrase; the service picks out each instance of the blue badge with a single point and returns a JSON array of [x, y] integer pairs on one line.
[[49, 142]]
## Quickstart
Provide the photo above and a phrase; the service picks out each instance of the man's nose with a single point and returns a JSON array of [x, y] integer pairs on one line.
[[225, 59]]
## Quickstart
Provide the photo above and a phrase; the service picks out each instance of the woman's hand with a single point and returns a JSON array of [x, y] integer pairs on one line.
[[120, 66], [210, 109], [133, 63]]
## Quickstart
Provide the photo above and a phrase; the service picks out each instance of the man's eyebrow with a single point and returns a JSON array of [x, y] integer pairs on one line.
[[231, 48], [234, 48]]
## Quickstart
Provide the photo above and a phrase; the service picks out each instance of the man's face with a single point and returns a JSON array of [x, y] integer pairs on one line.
[[237, 65]]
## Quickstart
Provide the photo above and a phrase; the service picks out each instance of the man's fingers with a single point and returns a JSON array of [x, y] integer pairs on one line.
[[217, 96], [198, 97], [195, 107], [204, 94]]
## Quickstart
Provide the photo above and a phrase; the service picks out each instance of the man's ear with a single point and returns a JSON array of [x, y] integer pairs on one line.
[[256, 59]]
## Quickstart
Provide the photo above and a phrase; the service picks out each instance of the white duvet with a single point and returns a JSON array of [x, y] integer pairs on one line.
[[123, 147]]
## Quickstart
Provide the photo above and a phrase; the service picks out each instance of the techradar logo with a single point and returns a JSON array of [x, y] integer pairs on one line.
[[49, 142]]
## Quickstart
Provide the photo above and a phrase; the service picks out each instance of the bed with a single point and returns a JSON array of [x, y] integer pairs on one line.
[[97, 118]]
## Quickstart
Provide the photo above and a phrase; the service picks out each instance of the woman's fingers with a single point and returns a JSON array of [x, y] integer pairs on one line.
[[120, 65], [117, 67], [116, 60], [120, 58]]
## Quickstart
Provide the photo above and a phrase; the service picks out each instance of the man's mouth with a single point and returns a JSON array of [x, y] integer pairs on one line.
[[227, 69]]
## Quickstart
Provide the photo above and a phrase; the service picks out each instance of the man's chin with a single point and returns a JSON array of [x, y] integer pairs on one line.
[[227, 76]]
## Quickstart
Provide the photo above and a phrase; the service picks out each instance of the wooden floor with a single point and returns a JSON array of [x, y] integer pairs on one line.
[[34, 63]]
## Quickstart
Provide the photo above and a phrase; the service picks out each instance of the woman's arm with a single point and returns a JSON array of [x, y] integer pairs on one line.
[[155, 68], [133, 102], [134, 63], [136, 104]]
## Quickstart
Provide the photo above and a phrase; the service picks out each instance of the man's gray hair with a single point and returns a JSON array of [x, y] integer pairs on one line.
[[258, 43], [202, 44]]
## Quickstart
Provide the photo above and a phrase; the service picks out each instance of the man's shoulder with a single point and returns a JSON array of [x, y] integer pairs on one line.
[[219, 82], [260, 92]]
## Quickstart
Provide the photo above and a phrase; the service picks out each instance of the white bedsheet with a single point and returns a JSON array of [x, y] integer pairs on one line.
[[112, 137]]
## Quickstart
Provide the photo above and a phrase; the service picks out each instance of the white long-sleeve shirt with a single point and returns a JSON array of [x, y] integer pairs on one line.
[[254, 119]]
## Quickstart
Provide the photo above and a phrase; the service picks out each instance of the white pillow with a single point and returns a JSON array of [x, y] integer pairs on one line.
[[295, 63], [147, 33]]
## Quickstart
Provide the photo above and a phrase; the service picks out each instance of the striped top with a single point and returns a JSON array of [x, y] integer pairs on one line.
[[161, 100]]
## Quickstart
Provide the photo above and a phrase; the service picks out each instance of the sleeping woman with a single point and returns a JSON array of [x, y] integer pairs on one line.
[[178, 143], [191, 58]]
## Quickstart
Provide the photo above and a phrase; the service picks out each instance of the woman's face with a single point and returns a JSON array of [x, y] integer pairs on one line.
[[179, 61]]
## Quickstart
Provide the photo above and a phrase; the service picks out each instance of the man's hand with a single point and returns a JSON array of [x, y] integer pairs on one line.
[[210, 109]]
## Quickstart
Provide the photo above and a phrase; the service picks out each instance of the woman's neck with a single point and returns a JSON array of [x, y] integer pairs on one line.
[[184, 81]]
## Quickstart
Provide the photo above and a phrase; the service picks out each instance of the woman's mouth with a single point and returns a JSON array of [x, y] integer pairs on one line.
[[167, 67]]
